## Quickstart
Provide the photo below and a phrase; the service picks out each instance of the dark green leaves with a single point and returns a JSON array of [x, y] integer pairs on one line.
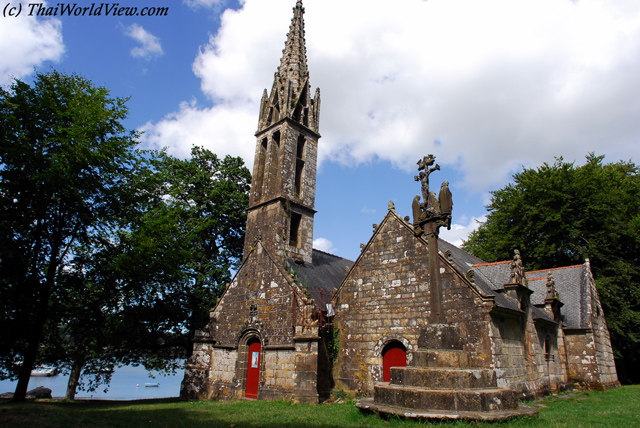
[[560, 214]]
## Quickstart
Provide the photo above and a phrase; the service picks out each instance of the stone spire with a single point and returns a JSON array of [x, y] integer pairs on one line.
[[293, 65], [283, 187], [290, 95]]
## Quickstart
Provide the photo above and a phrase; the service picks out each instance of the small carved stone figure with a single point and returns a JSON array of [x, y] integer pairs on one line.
[[432, 207], [445, 199], [517, 269], [552, 293], [425, 171], [417, 211]]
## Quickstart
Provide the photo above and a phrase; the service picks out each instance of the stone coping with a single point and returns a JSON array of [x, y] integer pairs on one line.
[[368, 405]]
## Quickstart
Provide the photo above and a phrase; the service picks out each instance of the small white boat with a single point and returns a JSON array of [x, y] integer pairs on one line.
[[43, 371], [152, 385]]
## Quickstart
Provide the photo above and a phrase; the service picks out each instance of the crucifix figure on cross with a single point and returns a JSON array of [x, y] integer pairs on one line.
[[424, 166]]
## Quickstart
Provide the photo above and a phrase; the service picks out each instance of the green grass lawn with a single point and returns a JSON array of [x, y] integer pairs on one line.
[[617, 408]]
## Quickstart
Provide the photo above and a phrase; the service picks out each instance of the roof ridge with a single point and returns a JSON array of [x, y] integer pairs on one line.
[[551, 269], [332, 255], [491, 264]]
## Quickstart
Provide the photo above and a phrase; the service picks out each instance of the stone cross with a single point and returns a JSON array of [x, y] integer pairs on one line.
[[428, 217]]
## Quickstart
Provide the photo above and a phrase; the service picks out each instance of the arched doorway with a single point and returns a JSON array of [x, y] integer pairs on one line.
[[393, 355], [253, 368]]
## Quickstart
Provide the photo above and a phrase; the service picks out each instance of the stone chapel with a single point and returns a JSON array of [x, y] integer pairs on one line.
[[415, 325]]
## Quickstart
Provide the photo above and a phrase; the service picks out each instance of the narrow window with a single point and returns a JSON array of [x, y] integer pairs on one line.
[[274, 153], [547, 349], [300, 151], [299, 165], [260, 168], [294, 232], [298, 182]]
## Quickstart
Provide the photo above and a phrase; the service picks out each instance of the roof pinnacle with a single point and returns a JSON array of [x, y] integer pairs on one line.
[[290, 95], [293, 65]]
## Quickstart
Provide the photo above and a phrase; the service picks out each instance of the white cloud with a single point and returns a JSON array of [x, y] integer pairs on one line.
[[222, 130], [460, 232], [27, 42], [497, 83], [323, 244], [367, 210], [150, 44]]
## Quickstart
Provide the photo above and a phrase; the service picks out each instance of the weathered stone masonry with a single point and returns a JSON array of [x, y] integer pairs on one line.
[[423, 328], [385, 297]]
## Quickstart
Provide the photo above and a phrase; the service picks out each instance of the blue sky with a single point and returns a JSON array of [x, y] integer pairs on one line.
[[488, 87]]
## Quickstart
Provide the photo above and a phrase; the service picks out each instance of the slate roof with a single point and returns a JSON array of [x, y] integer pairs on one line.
[[573, 289], [539, 313], [326, 271], [489, 277], [570, 282], [497, 274]]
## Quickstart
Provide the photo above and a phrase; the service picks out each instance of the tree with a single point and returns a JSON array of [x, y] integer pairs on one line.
[[190, 242], [66, 168], [560, 214], [145, 294]]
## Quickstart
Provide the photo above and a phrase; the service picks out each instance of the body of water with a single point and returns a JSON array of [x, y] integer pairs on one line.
[[127, 383]]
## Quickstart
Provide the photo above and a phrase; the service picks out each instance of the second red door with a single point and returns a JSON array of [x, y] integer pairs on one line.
[[253, 371]]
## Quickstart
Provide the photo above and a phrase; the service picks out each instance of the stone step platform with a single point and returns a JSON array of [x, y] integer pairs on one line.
[[443, 378], [450, 400], [440, 358], [368, 405]]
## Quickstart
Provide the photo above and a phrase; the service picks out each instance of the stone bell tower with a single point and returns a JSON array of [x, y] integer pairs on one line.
[[281, 204]]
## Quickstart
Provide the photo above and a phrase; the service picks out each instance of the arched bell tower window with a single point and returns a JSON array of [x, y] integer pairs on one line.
[[260, 169], [274, 154], [294, 232], [299, 165]]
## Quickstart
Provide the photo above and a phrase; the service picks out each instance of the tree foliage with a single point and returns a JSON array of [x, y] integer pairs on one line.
[[560, 214], [182, 250], [108, 255], [65, 162]]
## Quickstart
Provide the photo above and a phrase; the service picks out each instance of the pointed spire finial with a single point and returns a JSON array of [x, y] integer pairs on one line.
[[293, 65], [290, 95]]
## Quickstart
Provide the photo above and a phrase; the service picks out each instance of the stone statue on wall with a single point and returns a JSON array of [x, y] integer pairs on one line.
[[517, 269], [552, 293]]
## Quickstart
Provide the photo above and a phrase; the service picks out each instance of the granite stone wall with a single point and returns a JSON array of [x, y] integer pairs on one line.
[[386, 297]]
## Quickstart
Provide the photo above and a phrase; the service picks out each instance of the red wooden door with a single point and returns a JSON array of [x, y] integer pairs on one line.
[[394, 356], [253, 371]]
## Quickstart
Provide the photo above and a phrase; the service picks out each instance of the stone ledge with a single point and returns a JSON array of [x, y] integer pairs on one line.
[[368, 405], [432, 358], [443, 378], [471, 400]]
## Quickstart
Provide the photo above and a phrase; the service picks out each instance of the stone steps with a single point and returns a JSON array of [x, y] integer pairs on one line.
[[440, 383], [452, 400], [444, 378], [367, 405], [440, 358]]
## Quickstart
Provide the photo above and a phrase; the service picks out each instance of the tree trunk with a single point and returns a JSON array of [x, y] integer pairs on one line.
[[74, 378], [41, 313], [30, 356], [24, 376]]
